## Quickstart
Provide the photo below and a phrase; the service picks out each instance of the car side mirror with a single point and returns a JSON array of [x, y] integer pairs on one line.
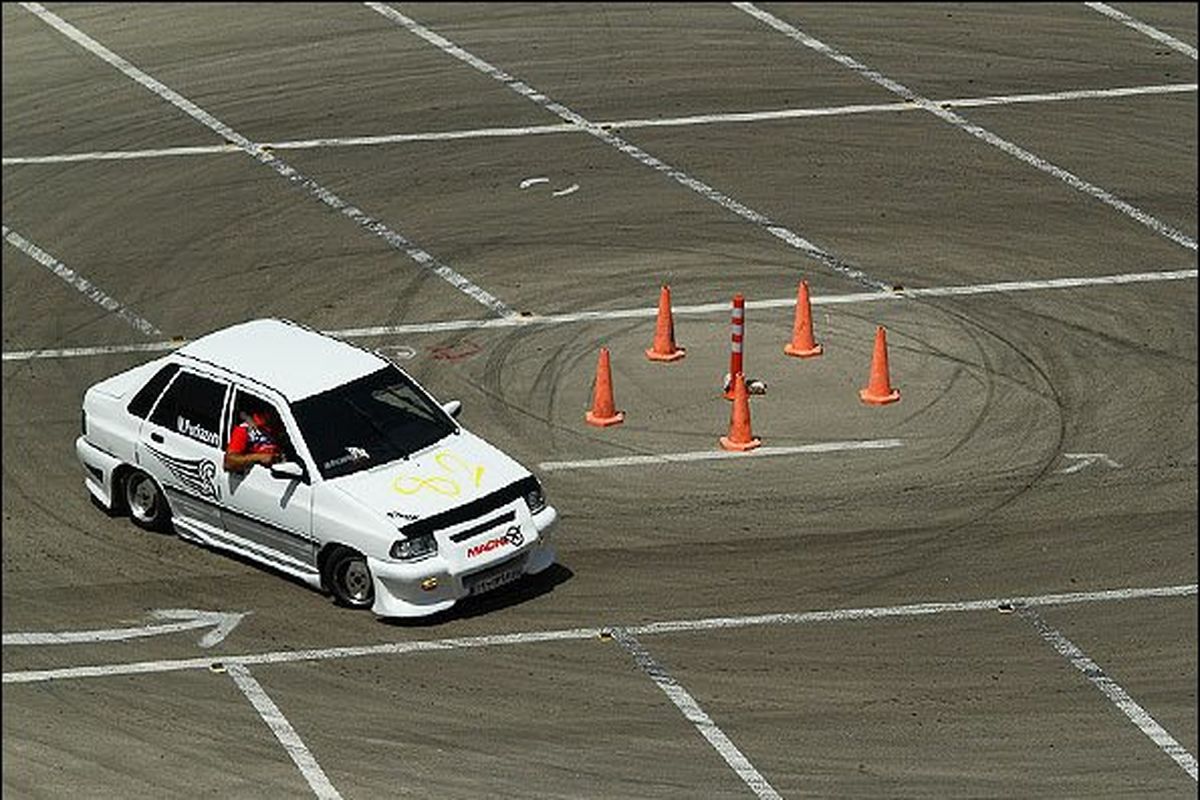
[[452, 407], [287, 470]]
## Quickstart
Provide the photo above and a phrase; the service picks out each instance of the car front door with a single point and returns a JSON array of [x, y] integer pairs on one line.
[[180, 446], [270, 516]]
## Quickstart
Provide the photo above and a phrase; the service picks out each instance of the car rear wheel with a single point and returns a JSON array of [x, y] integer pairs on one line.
[[147, 506], [350, 579]]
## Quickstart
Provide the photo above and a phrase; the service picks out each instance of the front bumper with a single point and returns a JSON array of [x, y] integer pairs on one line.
[[400, 588]]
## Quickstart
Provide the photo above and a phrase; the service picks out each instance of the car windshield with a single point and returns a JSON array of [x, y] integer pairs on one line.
[[372, 420]]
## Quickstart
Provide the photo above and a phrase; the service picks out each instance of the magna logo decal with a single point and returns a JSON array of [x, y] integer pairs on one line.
[[511, 536]]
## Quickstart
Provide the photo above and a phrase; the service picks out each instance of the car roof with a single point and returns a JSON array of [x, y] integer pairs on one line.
[[295, 361]]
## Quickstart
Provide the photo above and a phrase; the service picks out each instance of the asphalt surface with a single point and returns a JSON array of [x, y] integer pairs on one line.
[[986, 496]]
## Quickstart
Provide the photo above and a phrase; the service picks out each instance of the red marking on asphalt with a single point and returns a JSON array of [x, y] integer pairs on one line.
[[458, 352]]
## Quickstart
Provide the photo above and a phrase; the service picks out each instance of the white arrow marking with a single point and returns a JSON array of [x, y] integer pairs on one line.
[[400, 351], [574, 187], [222, 623], [525, 184], [1085, 460]]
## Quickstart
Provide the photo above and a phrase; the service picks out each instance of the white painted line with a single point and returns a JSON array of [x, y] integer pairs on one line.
[[284, 732], [525, 184], [100, 350], [888, 108], [694, 714], [1141, 27], [77, 281], [916, 610], [265, 157], [222, 623], [636, 313], [1021, 154], [666, 122], [123, 155], [1084, 460], [641, 156], [1051, 283], [575, 634], [294, 656], [1096, 676], [574, 187], [714, 455]]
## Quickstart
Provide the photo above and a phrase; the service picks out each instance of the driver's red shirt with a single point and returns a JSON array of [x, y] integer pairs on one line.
[[247, 438]]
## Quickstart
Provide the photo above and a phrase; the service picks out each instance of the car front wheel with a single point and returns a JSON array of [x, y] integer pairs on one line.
[[147, 506], [350, 579]]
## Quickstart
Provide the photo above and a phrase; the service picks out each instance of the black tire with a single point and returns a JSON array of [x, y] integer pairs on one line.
[[349, 579], [145, 501]]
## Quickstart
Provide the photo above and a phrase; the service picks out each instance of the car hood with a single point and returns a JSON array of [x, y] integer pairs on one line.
[[455, 471]]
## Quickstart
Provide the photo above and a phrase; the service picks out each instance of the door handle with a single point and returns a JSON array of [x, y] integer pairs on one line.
[[156, 437]]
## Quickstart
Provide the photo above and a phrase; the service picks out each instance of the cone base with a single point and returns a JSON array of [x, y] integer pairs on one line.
[[604, 422], [730, 444], [867, 396], [800, 352], [654, 355]]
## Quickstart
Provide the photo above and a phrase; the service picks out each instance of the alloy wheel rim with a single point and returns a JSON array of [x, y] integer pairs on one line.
[[357, 580], [141, 498]]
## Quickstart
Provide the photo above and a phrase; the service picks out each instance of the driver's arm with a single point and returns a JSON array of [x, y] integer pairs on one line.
[[240, 462], [236, 457]]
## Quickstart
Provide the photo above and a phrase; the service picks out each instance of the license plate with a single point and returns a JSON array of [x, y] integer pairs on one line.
[[487, 582]]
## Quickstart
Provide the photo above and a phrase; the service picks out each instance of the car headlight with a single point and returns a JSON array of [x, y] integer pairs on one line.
[[414, 548], [535, 498]]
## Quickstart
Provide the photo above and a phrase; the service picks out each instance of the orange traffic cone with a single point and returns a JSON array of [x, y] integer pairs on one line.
[[603, 412], [739, 437], [664, 348], [802, 344], [879, 389]]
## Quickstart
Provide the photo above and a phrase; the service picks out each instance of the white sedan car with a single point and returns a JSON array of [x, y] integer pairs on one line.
[[381, 497]]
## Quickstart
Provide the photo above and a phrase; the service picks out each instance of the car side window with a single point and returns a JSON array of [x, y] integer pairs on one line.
[[143, 401], [191, 407], [245, 404]]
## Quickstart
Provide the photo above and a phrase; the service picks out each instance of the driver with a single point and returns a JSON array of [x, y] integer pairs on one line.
[[256, 440]]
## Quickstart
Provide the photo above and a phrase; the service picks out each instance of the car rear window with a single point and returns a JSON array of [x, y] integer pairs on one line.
[[143, 401], [192, 407]]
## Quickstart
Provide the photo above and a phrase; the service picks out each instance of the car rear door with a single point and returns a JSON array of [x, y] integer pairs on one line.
[[179, 444]]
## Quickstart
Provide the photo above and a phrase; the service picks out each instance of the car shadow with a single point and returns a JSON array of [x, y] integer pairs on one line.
[[250, 562], [515, 593]]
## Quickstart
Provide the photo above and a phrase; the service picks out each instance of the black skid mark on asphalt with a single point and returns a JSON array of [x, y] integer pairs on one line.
[[1132, 348], [15, 479], [930, 542], [540, 400], [1054, 452], [989, 383], [513, 412]]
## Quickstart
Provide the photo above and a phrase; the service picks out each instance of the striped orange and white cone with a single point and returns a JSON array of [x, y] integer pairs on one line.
[[737, 339]]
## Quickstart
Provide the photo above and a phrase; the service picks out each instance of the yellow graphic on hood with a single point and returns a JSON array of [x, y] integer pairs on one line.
[[452, 464]]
